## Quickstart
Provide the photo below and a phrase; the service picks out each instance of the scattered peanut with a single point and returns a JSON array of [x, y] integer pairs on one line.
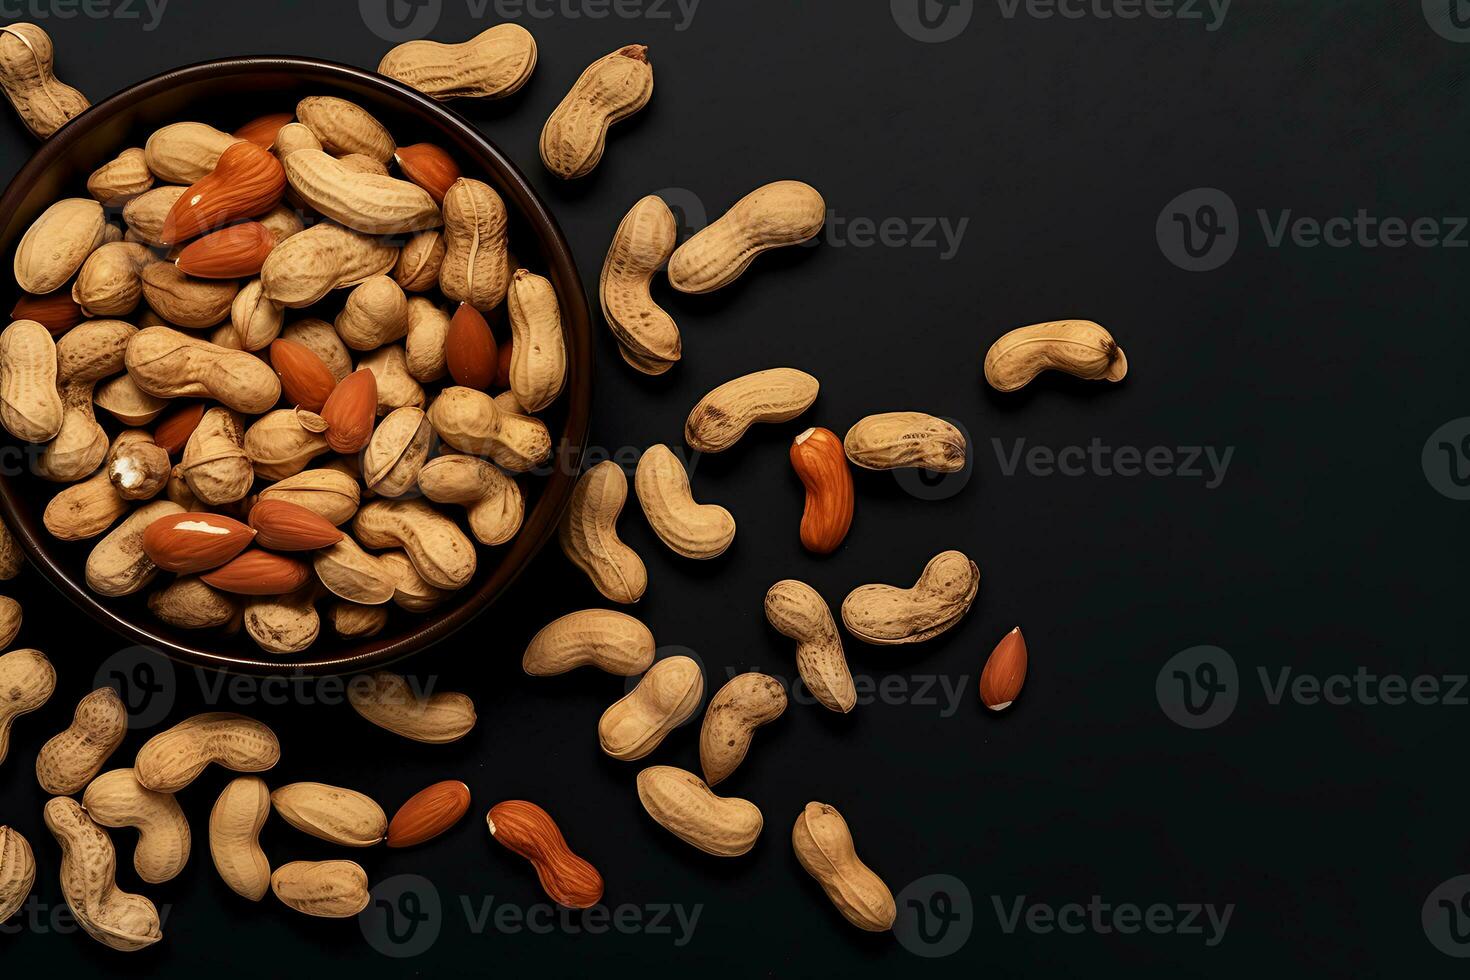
[[610, 90], [746, 702], [234, 836], [491, 65], [326, 889], [117, 799], [341, 816], [70, 760], [113, 917], [604, 638], [1080, 348], [665, 698], [723, 415], [645, 239], [589, 535], [171, 760], [389, 701], [823, 845], [886, 614], [683, 805], [900, 439], [690, 529], [795, 609], [44, 103], [786, 212]]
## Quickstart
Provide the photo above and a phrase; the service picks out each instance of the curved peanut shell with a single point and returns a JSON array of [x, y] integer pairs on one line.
[[589, 535], [117, 799], [67, 763], [746, 702], [642, 244], [899, 439], [1080, 348], [389, 701], [491, 65], [57, 243], [797, 610], [610, 90], [234, 837], [603, 638], [665, 698], [682, 804], [113, 917], [691, 529], [787, 212], [724, 415], [173, 759], [30, 404], [823, 845], [310, 264], [887, 614]]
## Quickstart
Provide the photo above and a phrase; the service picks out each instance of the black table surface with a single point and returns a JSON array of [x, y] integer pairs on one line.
[[1278, 481]]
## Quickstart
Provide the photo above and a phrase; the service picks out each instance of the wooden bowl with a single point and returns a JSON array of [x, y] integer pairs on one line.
[[226, 94]]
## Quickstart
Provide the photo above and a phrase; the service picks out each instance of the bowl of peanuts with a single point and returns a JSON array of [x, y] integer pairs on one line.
[[298, 371]]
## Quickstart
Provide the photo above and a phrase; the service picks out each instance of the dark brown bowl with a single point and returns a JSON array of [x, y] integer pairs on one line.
[[226, 94]]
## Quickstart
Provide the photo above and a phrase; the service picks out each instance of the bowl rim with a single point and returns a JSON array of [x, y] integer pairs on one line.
[[569, 446]]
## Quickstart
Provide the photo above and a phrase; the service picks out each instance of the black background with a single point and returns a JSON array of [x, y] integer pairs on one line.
[[1059, 141]]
